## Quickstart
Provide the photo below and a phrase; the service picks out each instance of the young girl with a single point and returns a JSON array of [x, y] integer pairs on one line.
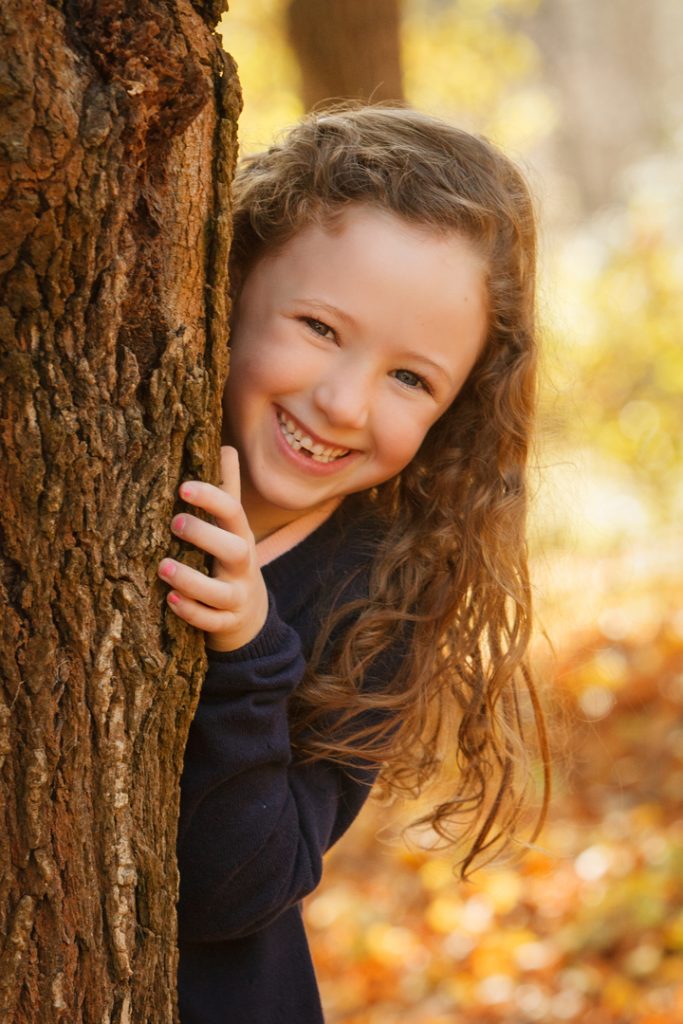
[[368, 611]]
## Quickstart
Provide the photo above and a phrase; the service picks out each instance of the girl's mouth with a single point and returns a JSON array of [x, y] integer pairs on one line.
[[299, 441]]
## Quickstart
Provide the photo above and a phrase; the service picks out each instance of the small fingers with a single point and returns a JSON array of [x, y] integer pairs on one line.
[[225, 508], [189, 583], [228, 548], [210, 620]]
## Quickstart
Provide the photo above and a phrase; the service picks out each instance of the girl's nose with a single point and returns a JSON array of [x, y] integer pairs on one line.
[[344, 400]]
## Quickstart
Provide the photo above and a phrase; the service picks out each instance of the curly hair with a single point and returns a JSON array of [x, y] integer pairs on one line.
[[451, 569]]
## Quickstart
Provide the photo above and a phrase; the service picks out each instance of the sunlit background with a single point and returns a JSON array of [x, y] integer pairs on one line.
[[588, 927]]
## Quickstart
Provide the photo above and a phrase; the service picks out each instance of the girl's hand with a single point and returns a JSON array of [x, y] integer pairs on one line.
[[232, 604]]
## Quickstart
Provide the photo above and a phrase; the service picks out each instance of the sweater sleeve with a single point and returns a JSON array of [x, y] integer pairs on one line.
[[253, 825]]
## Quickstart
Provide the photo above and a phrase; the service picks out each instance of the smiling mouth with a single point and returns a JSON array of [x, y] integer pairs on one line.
[[299, 441]]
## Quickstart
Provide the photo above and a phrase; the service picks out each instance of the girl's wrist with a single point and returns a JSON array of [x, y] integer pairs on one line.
[[223, 643], [227, 641], [274, 636]]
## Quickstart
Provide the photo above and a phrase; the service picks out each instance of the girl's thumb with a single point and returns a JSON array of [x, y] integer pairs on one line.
[[230, 471]]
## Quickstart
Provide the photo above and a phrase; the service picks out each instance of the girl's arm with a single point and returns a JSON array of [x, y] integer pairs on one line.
[[253, 826]]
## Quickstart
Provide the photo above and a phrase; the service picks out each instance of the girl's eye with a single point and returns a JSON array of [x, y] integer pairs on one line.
[[412, 380], [319, 327]]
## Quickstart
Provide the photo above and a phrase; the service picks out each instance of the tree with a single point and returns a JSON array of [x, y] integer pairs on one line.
[[617, 77], [347, 49], [118, 143]]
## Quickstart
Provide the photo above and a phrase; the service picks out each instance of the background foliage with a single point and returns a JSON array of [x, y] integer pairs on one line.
[[589, 925]]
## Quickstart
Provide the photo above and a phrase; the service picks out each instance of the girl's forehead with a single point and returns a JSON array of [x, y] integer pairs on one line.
[[370, 227], [371, 258]]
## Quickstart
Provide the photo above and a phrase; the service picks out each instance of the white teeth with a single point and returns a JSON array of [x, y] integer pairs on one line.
[[296, 439]]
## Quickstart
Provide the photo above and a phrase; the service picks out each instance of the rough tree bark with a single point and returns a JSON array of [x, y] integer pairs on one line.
[[117, 122], [347, 49]]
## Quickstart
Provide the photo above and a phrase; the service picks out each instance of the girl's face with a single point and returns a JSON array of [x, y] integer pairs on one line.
[[347, 345]]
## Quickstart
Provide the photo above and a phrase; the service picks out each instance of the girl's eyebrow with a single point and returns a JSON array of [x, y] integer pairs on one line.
[[327, 307], [418, 357]]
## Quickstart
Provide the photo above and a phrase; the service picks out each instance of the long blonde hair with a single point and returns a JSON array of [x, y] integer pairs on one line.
[[450, 572]]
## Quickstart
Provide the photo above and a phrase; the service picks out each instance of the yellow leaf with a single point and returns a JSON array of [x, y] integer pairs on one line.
[[503, 889]]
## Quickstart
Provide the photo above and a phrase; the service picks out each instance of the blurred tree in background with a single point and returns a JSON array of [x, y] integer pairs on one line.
[[589, 928], [346, 48]]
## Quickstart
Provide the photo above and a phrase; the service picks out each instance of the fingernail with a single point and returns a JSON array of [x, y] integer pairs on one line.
[[167, 568], [187, 491], [173, 598], [178, 524]]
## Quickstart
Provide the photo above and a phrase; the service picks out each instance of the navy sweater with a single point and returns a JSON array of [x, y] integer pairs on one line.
[[254, 824]]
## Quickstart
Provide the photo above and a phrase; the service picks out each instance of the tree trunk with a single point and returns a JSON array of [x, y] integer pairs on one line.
[[347, 49], [117, 121]]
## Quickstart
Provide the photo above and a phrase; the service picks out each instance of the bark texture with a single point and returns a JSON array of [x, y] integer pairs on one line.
[[117, 127], [347, 49]]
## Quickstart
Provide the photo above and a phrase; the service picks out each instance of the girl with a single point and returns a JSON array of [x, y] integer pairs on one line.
[[368, 611]]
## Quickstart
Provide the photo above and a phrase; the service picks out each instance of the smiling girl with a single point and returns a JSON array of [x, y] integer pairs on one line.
[[368, 610]]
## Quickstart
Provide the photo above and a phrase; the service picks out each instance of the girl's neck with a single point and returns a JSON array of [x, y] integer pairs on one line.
[[287, 537], [265, 520]]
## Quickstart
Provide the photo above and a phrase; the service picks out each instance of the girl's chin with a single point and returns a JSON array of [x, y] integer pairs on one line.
[[291, 501], [291, 504]]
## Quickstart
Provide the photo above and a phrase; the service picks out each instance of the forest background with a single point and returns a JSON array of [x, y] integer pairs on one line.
[[589, 925]]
